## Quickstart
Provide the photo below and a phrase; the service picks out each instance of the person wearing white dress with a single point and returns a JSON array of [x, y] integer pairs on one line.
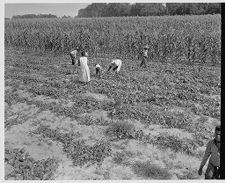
[[115, 65], [84, 73]]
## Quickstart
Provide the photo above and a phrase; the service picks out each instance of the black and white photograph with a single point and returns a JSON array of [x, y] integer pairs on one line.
[[114, 90]]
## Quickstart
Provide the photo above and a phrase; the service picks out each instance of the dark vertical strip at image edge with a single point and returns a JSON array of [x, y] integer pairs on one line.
[[222, 154]]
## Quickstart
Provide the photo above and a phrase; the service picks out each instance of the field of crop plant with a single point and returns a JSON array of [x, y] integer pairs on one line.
[[150, 123]]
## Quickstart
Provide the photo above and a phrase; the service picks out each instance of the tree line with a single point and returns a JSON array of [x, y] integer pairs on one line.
[[137, 9], [148, 9], [34, 16], [37, 16]]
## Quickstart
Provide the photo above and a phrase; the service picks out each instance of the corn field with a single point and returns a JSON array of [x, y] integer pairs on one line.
[[196, 39]]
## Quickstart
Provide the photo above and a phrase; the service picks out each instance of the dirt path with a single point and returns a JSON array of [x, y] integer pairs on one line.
[[18, 136]]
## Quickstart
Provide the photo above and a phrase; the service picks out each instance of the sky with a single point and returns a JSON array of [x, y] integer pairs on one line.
[[58, 9]]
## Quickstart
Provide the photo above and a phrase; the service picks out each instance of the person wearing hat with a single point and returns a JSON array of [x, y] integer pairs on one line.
[[212, 151], [115, 65], [144, 56], [73, 55]]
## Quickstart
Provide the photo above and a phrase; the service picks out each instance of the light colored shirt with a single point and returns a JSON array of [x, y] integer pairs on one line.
[[145, 53], [74, 52], [98, 66], [212, 151], [117, 62]]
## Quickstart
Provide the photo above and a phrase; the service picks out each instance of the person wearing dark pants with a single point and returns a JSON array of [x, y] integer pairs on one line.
[[144, 57], [115, 65], [212, 151], [98, 70], [143, 62]]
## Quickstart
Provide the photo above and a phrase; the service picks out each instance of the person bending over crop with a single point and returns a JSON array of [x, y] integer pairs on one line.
[[84, 73], [212, 150], [144, 56], [73, 55], [115, 65], [98, 70]]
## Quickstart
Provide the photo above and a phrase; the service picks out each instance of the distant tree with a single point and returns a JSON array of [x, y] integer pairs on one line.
[[46, 16], [29, 16], [152, 9], [122, 9], [136, 8], [116, 9], [201, 8], [148, 9], [193, 8], [34, 16], [82, 13], [174, 8], [64, 16], [93, 10], [213, 8], [15, 17]]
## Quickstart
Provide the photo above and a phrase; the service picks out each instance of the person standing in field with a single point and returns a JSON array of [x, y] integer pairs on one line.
[[73, 55], [212, 150], [84, 73], [144, 56], [115, 65]]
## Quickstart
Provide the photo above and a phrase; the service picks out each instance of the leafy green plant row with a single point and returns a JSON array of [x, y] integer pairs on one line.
[[193, 38], [150, 170], [125, 130], [77, 150], [147, 115], [26, 168]]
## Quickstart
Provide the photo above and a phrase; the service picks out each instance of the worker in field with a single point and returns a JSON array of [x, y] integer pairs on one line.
[[84, 72], [74, 55], [98, 70], [115, 65], [144, 56], [212, 151]]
